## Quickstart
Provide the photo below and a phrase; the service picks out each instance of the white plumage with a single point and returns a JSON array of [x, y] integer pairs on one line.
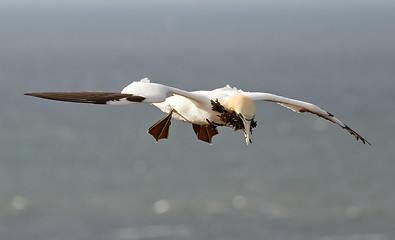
[[205, 110]]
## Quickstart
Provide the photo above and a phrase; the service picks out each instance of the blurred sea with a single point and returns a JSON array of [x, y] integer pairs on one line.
[[74, 171]]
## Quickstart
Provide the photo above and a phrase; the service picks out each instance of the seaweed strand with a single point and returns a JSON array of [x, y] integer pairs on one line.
[[230, 118]]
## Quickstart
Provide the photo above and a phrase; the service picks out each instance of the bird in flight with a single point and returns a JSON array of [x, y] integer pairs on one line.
[[205, 110]]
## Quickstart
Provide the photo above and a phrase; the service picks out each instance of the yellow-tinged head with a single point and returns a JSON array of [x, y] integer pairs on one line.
[[245, 107], [241, 104]]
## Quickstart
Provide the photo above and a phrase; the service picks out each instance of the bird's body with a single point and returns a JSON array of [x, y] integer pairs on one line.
[[187, 110], [205, 110]]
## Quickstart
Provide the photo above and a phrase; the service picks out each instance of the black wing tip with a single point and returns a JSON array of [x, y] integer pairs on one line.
[[356, 135], [35, 94], [95, 97]]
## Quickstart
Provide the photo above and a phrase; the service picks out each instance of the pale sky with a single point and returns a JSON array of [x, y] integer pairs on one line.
[[196, 2]]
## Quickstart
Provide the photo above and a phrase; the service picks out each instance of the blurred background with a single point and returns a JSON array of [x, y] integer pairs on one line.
[[75, 171]]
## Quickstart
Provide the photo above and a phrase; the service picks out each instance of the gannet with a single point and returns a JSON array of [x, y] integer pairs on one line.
[[205, 110]]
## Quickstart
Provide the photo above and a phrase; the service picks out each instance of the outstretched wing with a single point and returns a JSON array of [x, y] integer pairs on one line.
[[300, 107], [94, 97], [137, 92], [156, 93]]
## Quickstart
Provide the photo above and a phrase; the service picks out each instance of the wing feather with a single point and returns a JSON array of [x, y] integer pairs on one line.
[[94, 97], [137, 92], [300, 107]]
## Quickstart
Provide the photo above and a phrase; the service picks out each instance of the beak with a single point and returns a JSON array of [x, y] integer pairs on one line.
[[247, 127]]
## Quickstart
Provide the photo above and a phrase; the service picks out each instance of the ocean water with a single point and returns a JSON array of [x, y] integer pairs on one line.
[[78, 171]]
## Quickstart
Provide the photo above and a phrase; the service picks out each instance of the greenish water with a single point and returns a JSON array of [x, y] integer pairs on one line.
[[75, 171]]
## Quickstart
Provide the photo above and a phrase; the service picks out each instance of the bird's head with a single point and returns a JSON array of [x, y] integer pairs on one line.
[[245, 108]]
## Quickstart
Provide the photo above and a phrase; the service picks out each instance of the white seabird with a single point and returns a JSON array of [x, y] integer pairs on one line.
[[205, 110]]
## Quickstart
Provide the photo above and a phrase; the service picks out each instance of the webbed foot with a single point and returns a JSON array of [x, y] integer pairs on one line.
[[160, 129], [205, 132]]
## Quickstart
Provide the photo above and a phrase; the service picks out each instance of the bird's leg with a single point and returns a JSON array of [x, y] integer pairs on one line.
[[160, 129], [205, 132]]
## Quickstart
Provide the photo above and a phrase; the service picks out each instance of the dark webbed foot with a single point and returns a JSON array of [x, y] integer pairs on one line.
[[205, 132], [160, 130]]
